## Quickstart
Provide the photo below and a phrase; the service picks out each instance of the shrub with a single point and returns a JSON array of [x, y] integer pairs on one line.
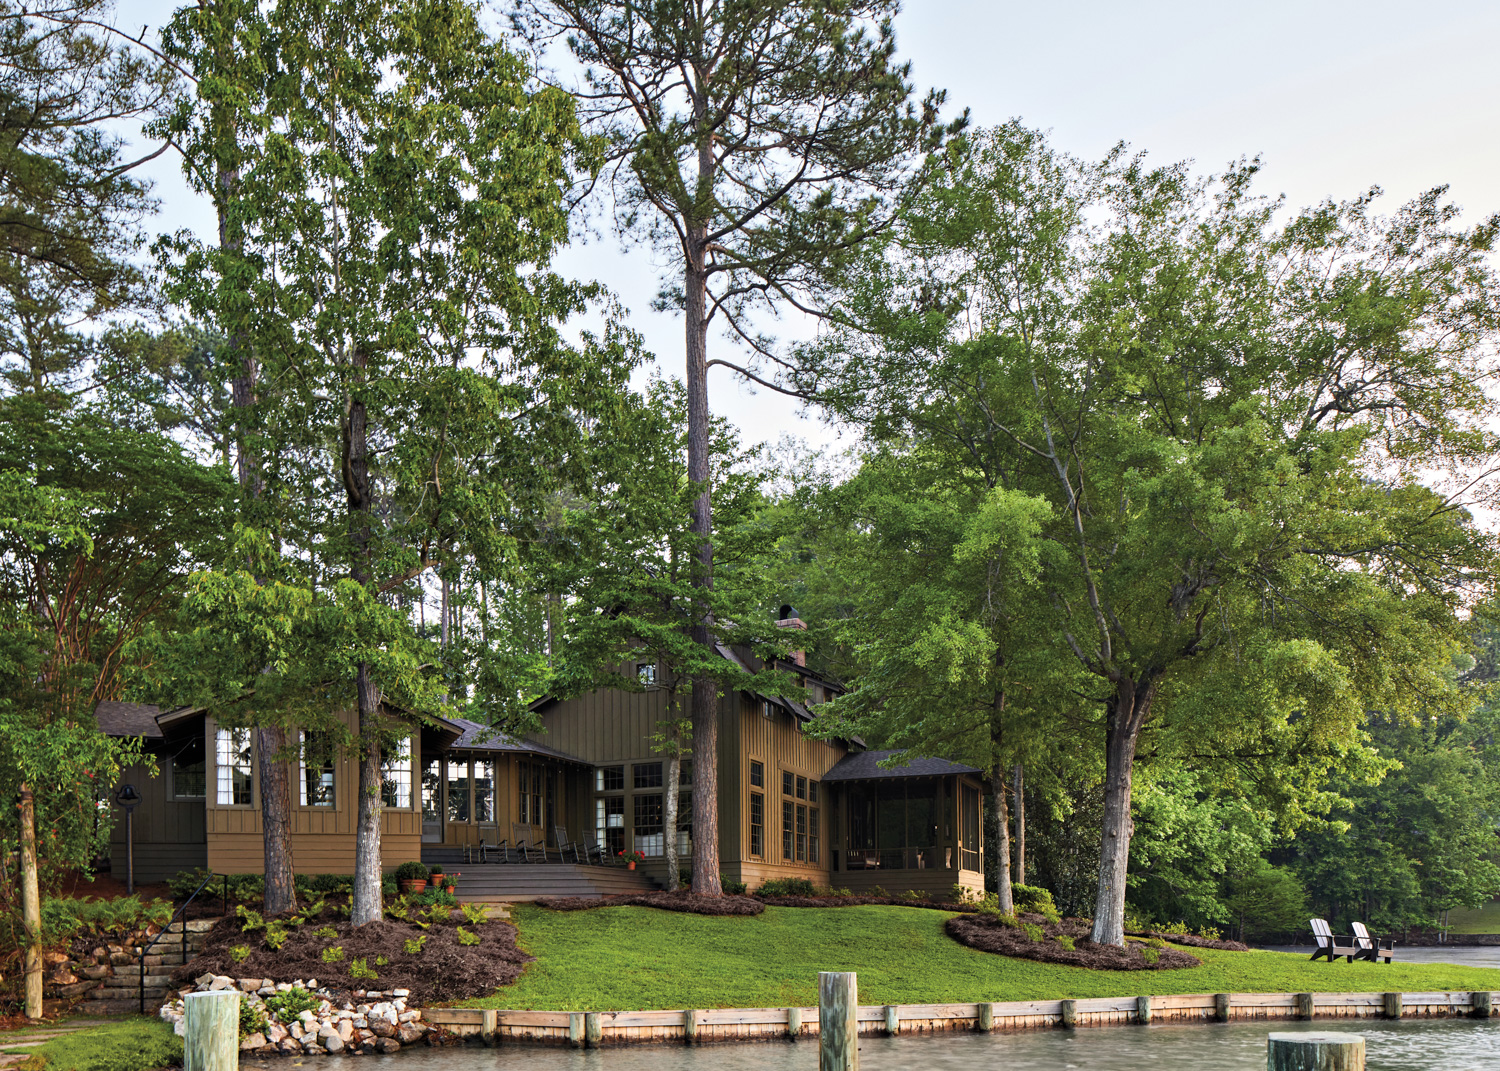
[[358, 969], [1178, 928], [732, 888], [239, 953], [434, 897], [399, 909], [287, 1006], [1033, 931], [65, 917], [251, 920], [411, 870], [465, 937], [435, 869], [333, 954], [252, 1017], [840, 891], [1036, 899], [475, 914], [413, 945], [916, 894], [1213, 933], [1151, 955], [787, 887], [1156, 942], [1066, 941], [879, 890], [326, 932]]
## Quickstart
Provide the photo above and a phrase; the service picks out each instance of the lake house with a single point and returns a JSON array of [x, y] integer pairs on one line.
[[790, 804]]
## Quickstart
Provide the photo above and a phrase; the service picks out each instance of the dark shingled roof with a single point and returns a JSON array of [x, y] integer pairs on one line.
[[477, 737], [863, 766], [128, 719]]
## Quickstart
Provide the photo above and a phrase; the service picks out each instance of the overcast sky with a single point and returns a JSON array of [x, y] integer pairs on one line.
[[1336, 96]]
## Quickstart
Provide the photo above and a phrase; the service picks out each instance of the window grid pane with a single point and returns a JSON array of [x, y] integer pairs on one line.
[[189, 771], [649, 818], [395, 775], [757, 824], [788, 816], [786, 783], [812, 834], [757, 775], [317, 771], [801, 833], [232, 750], [610, 779], [647, 774], [484, 790]]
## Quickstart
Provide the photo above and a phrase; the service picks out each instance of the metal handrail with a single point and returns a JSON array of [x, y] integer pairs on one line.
[[146, 948]]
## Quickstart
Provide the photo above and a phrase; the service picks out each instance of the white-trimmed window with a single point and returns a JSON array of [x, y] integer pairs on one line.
[[317, 770], [395, 775], [234, 760]]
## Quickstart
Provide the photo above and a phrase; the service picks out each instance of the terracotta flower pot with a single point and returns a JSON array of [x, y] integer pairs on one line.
[[413, 885], [630, 865]]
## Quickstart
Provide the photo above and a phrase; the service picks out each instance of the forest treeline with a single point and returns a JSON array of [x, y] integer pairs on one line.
[[1168, 506]]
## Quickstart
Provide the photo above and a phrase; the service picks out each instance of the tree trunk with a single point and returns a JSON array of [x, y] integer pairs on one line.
[[669, 810], [31, 905], [705, 696], [1002, 848], [367, 906], [1125, 713], [276, 821], [1018, 782]]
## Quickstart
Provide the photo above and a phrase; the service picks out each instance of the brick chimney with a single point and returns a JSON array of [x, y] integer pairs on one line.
[[788, 618]]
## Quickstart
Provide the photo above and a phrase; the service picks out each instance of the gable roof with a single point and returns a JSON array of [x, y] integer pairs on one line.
[[477, 737], [865, 766], [128, 719]]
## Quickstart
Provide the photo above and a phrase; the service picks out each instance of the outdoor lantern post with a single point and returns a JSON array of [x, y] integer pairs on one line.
[[129, 799]]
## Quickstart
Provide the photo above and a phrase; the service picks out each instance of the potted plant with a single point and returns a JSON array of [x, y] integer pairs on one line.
[[632, 858], [411, 876], [449, 882]]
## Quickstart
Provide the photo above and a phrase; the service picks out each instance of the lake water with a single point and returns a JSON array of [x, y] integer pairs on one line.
[[1416, 1045]]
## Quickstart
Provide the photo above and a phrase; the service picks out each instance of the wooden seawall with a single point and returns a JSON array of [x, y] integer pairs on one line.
[[603, 1029]]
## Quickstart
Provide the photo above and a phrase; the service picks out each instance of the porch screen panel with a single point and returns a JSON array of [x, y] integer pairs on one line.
[[233, 752], [969, 845], [892, 828], [395, 775], [458, 790], [484, 790]]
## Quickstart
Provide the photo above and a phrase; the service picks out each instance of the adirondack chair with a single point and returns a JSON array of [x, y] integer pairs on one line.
[[521, 848], [592, 853], [1374, 949], [1332, 944], [566, 847]]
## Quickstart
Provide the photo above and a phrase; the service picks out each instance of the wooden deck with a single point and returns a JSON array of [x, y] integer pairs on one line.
[[513, 882]]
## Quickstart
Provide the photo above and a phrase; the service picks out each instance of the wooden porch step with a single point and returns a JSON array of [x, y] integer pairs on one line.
[[503, 882]]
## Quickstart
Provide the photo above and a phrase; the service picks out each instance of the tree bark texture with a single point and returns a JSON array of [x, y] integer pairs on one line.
[[367, 906], [1018, 786], [31, 906], [1125, 712], [1002, 847], [705, 696], [276, 820], [669, 816]]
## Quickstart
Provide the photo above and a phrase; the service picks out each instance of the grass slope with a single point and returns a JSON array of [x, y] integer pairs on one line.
[[1483, 919], [135, 1044], [633, 958]]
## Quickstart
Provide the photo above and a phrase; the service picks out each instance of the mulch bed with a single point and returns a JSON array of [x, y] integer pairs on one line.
[[860, 901], [667, 901], [988, 934], [443, 970], [1194, 941]]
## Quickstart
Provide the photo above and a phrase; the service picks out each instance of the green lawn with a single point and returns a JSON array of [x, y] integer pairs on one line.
[[635, 958], [1485, 919], [135, 1044]]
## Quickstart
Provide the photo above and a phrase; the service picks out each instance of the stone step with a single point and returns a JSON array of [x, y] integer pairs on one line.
[[127, 992], [118, 1007]]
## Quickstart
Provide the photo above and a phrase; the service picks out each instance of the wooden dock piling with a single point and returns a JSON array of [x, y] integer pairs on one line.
[[1392, 1005], [1221, 1007], [986, 1021], [1143, 1010], [1323, 1052], [1304, 1005], [794, 1023], [1069, 1011], [211, 1035], [838, 1021], [591, 1030], [1480, 1005]]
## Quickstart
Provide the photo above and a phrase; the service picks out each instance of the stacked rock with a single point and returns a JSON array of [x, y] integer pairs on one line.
[[372, 1021]]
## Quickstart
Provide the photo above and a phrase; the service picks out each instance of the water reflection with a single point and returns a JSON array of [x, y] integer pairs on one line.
[[1450, 1044]]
